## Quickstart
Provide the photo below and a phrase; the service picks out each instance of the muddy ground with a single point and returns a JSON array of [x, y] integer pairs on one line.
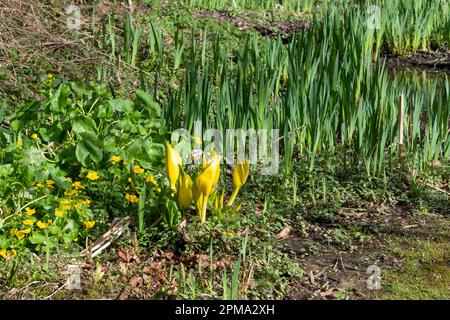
[[339, 270]]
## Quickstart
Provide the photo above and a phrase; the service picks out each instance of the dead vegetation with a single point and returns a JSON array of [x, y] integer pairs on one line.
[[337, 270], [246, 22], [37, 36]]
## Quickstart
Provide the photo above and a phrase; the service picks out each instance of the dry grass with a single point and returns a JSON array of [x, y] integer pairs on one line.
[[34, 38]]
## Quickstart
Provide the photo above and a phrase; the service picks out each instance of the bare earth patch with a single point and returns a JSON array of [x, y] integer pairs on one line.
[[338, 271], [246, 22], [438, 62]]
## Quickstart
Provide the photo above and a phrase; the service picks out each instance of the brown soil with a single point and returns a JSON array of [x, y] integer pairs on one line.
[[338, 271], [245, 22], [433, 63]]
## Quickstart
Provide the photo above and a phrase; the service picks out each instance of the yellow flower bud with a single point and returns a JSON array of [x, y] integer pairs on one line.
[[41, 224], [185, 191], [116, 159], [240, 175], [205, 183]]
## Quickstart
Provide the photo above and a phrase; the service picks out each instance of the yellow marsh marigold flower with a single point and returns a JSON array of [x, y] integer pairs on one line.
[[39, 186], [86, 202], [19, 143], [7, 254], [92, 175], [152, 180], [20, 234], [50, 76], [13, 232], [66, 204], [88, 224], [59, 212], [116, 159], [34, 136], [49, 221], [132, 198], [28, 222], [77, 185], [29, 211], [71, 192], [137, 169], [49, 182], [41, 224]]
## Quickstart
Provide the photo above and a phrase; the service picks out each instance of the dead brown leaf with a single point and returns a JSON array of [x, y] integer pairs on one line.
[[284, 233], [128, 256], [436, 164], [182, 225], [328, 294], [136, 281]]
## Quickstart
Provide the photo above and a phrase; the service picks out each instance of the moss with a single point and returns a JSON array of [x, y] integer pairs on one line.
[[424, 272]]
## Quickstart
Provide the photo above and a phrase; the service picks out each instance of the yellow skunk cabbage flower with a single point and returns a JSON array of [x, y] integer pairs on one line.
[[240, 175], [173, 163], [217, 176], [218, 201], [204, 164], [185, 191], [213, 156], [204, 185], [198, 199]]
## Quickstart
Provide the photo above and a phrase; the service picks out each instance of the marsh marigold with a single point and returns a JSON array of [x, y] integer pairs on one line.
[[28, 222], [137, 169], [88, 224], [29, 211], [77, 185], [116, 159], [92, 175], [59, 213], [41, 225], [131, 198], [152, 180]]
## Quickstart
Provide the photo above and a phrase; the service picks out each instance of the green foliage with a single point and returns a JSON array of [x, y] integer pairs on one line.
[[60, 163], [83, 154]]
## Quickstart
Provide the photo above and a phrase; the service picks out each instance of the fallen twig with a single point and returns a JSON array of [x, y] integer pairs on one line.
[[438, 189], [411, 226], [56, 291], [105, 240]]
